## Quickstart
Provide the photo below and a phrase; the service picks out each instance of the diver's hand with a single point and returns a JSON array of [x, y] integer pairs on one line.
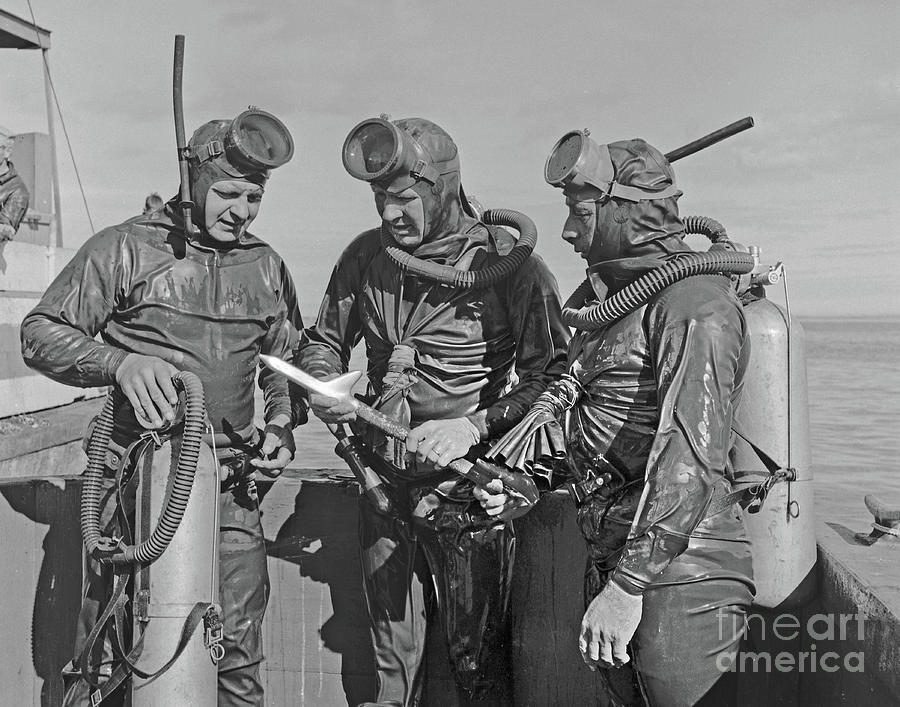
[[147, 383], [6, 232], [331, 410], [492, 497], [441, 441], [608, 626], [497, 503], [277, 448]]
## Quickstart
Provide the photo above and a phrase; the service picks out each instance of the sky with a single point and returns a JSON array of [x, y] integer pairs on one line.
[[814, 184]]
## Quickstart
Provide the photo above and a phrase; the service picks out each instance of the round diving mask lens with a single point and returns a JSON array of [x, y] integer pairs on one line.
[[371, 150], [564, 159], [259, 140]]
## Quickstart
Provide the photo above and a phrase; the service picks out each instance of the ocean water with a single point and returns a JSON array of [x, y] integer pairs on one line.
[[854, 406], [853, 375]]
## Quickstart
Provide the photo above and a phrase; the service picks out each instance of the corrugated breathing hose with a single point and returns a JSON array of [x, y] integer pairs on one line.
[[472, 279], [102, 548], [705, 226], [575, 314]]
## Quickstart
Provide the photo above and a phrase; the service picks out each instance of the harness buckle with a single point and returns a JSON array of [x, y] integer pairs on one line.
[[142, 605], [210, 150], [758, 494], [581, 490], [213, 633]]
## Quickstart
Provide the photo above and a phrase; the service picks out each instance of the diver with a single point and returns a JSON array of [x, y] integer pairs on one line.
[[165, 300], [650, 396], [459, 344], [14, 195]]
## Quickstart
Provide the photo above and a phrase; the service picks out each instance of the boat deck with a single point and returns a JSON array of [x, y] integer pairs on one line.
[[316, 641]]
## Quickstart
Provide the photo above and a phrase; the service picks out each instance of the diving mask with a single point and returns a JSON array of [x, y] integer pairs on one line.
[[377, 150], [584, 170]]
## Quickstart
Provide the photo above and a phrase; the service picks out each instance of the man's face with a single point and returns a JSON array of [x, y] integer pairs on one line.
[[231, 206], [403, 214], [578, 229]]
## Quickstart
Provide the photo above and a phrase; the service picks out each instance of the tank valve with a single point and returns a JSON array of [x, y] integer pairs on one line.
[[770, 276]]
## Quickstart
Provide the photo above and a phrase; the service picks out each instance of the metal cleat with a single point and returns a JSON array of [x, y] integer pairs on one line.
[[887, 521]]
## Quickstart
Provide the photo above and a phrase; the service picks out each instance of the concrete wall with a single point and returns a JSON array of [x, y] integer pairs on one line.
[[25, 272], [32, 157], [34, 162]]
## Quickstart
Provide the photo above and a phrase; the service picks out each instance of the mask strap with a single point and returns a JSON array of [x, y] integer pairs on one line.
[[209, 150], [621, 191], [425, 171]]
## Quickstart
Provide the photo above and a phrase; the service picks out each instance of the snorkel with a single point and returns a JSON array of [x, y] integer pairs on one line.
[[184, 189]]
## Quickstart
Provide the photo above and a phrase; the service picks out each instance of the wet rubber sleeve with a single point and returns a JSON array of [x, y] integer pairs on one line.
[[330, 341], [696, 348], [281, 340], [58, 334], [532, 300]]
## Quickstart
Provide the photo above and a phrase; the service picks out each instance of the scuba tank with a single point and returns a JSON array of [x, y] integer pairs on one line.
[[172, 568], [185, 574], [771, 456]]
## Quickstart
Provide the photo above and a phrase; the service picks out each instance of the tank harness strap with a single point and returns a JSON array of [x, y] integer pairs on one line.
[[116, 603], [199, 614], [751, 497], [118, 598], [771, 465]]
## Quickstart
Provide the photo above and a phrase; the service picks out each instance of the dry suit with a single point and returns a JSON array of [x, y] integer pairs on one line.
[[207, 308], [657, 390], [435, 352], [13, 198]]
